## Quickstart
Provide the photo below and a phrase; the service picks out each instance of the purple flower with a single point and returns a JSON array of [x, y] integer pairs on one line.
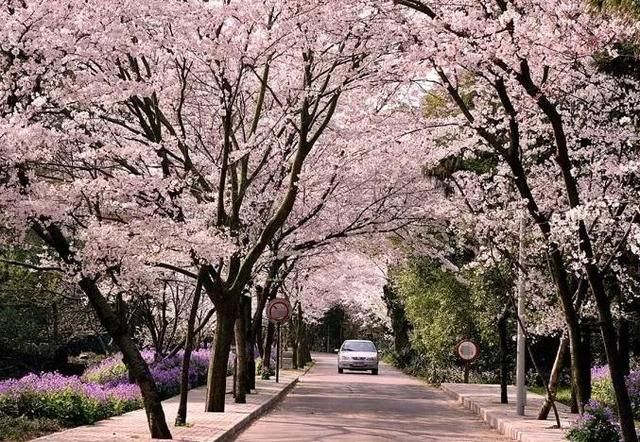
[[600, 372]]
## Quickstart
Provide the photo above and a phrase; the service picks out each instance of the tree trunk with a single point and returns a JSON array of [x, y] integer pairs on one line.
[[300, 338], [268, 343], [292, 341], [586, 369], [554, 377], [504, 355], [131, 357], [217, 376], [241, 351], [623, 345], [616, 369], [251, 344], [181, 417]]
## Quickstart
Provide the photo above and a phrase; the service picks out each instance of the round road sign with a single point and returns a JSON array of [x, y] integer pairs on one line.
[[468, 350], [278, 310]]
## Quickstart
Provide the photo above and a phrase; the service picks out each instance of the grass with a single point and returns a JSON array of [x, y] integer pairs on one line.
[[18, 429], [563, 395]]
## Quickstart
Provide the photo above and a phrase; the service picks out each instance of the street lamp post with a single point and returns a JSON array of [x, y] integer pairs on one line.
[[521, 388]]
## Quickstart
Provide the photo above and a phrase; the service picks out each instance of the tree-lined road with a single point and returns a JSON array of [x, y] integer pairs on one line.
[[361, 407]]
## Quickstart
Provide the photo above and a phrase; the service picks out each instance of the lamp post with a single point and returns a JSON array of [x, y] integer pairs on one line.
[[521, 388]]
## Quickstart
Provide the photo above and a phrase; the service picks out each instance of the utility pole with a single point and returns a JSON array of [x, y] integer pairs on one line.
[[521, 395]]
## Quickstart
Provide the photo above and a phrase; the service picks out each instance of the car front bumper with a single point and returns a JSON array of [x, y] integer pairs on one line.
[[358, 365]]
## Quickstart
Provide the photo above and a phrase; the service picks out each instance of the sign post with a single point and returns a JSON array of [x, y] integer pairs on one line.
[[278, 311], [278, 353], [468, 351]]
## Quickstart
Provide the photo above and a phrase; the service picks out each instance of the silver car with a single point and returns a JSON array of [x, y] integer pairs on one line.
[[358, 355]]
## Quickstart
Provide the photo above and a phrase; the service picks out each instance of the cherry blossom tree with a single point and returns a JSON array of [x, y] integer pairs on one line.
[[172, 137], [559, 127]]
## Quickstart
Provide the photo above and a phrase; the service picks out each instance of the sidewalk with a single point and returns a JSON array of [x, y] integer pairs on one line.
[[201, 426], [484, 400]]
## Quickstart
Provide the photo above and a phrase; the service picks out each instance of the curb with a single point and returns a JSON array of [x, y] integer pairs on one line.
[[232, 432], [509, 429]]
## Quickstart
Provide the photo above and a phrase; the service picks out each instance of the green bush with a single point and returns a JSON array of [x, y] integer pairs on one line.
[[106, 372], [602, 391], [21, 428], [262, 371]]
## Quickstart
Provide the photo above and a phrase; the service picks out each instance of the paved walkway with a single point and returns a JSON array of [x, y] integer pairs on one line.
[[327, 406], [484, 400], [201, 426]]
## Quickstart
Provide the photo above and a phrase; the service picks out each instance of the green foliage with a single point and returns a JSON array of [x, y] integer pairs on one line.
[[68, 407], [629, 8], [442, 308], [18, 429], [109, 373], [438, 307], [40, 316], [563, 393], [262, 371], [602, 391]]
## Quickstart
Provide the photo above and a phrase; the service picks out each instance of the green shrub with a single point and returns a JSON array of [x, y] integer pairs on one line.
[[602, 391], [106, 372], [21, 428]]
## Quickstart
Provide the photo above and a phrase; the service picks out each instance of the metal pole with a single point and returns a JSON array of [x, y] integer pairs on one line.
[[521, 394], [278, 354]]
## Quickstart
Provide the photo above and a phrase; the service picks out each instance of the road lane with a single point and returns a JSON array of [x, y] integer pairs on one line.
[[327, 406]]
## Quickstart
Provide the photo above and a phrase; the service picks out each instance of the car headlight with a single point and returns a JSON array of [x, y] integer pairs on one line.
[[345, 358], [371, 359]]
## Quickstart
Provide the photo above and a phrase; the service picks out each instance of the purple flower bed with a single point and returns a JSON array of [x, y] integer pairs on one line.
[[595, 425], [103, 391], [602, 388]]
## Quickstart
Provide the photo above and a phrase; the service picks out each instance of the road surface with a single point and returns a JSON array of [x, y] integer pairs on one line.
[[327, 406]]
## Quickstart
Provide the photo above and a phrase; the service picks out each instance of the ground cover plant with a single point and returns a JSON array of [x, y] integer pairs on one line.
[[41, 403]]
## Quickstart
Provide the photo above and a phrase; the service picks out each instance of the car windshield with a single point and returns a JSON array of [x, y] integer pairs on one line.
[[358, 346]]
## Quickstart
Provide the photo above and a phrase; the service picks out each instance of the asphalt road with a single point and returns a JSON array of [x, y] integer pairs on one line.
[[327, 406]]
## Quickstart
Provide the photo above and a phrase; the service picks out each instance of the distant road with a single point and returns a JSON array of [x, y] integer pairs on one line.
[[327, 406]]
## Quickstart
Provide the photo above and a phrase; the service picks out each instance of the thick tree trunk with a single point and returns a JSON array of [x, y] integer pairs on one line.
[[250, 347], [241, 326], [300, 338], [554, 377], [307, 350], [586, 369], [609, 339], [217, 376], [181, 417], [292, 341], [131, 358], [268, 344], [504, 356], [623, 345]]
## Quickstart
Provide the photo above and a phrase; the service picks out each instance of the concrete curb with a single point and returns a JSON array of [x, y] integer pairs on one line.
[[232, 432], [515, 429]]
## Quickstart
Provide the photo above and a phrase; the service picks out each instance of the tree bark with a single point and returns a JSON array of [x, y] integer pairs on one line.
[[609, 339], [623, 345], [217, 376], [181, 417], [131, 358], [300, 338], [268, 344], [241, 351], [554, 377], [251, 344]]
